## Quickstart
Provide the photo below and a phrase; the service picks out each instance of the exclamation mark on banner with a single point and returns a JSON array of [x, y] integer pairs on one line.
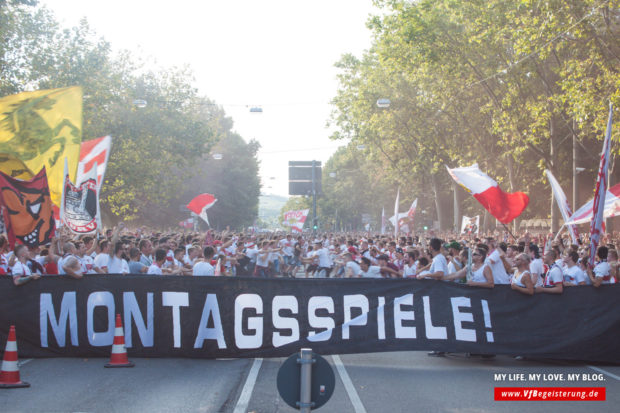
[[487, 320], [381, 319]]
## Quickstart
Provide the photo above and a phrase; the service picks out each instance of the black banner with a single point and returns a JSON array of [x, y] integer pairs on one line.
[[209, 317]]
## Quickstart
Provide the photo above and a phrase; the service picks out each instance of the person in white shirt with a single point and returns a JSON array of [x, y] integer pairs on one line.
[[554, 281], [410, 269], [116, 264], [175, 266], [203, 267], [369, 271], [20, 270], [601, 274], [454, 260], [190, 258], [494, 261], [146, 249], [88, 263], [70, 264], [251, 252], [439, 265], [158, 263], [102, 259], [261, 268], [351, 268], [274, 259], [325, 263], [287, 252], [69, 250], [573, 275], [481, 274], [536, 265]]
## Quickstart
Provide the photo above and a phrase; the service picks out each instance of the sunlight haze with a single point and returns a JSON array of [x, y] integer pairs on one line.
[[278, 55]]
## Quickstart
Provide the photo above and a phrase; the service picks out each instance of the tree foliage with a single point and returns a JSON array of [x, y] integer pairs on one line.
[[156, 149], [501, 83]]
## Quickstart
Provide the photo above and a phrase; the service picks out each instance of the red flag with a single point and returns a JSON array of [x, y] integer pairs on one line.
[[200, 204], [27, 209], [504, 206]]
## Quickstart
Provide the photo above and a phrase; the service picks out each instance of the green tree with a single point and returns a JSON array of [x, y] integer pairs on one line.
[[155, 149], [494, 82]]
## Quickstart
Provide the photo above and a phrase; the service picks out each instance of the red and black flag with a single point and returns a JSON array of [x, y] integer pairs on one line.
[[28, 214]]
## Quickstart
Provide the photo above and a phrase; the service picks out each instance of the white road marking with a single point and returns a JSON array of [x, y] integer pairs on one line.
[[348, 385], [604, 372], [248, 387], [22, 362]]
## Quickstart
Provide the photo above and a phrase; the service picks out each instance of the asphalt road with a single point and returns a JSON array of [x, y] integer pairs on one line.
[[379, 382]]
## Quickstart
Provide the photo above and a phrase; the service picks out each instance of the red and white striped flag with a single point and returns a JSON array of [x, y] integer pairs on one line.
[[596, 224], [504, 206], [295, 219], [612, 207], [560, 198], [412, 208], [94, 152]]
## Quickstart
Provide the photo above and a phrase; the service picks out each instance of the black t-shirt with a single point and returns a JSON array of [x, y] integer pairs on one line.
[[297, 251]]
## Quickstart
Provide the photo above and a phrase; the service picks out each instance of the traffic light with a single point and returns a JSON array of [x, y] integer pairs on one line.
[[315, 225], [425, 227]]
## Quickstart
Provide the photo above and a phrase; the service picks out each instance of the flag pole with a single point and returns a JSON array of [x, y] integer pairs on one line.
[[510, 232]]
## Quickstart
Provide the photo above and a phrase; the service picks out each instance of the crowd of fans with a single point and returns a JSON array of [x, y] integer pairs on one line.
[[538, 265]]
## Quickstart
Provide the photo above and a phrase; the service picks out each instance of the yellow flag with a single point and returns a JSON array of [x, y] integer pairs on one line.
[[14, 167], [40, 129]]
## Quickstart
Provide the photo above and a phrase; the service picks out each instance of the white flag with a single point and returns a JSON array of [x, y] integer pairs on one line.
[[396, 213], [79, 204], [383, 221], [560, 198]]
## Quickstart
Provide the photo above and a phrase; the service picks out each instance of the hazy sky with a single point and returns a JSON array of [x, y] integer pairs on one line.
[[277, 54]]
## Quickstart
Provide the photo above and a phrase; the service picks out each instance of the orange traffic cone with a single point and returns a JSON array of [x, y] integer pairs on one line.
[[119, 353], [9, 374]]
